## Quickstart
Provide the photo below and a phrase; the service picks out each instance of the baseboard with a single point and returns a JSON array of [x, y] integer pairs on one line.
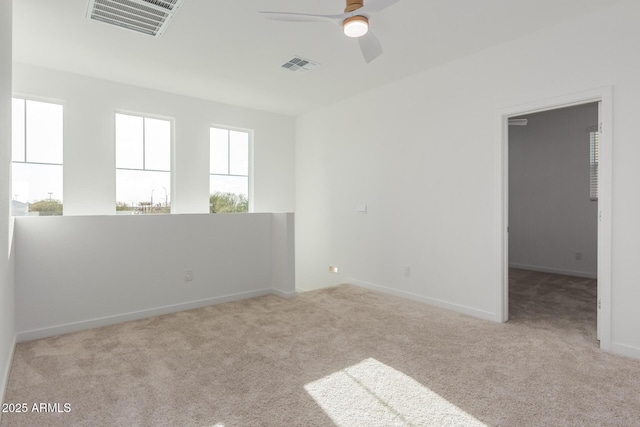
[[564, 272], [299, 289], [625, 350], [313, 288], [120, 318], [4, 381], [283, 294], [481, 314]]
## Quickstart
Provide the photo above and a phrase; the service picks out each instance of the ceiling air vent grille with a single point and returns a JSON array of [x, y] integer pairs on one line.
[[144, 16], [299, 64]]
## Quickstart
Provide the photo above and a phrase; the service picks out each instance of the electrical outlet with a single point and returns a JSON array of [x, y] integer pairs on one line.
[[407, 271], [578, 256], [333, 269], [188, 275]]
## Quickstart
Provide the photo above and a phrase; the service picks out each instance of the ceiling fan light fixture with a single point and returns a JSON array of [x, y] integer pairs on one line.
[[355, 26]]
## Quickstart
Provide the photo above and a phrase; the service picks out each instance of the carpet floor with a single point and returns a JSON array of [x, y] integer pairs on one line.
[[342, 356]]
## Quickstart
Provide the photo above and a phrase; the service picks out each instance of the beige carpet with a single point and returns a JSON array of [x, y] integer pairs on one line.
[[341, 356]]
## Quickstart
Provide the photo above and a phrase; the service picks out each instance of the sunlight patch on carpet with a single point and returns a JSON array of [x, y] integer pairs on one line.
[[371, 393]]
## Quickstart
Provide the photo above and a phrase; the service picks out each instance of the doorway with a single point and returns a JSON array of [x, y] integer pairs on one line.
[[553, 212], [576, 260]]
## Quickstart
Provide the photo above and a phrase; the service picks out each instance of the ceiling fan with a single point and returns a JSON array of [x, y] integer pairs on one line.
[[354, 22]]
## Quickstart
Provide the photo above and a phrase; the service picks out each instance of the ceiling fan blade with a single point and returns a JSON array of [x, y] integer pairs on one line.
[[370, 47], [376, 5], [305, 17]]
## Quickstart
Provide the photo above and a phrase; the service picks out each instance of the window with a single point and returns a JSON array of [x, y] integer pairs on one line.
[[143, 165], [229, 171], [594, 155], [36, 155]]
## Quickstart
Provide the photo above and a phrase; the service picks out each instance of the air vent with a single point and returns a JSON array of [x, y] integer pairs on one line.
[[300, 65], [144, 16]]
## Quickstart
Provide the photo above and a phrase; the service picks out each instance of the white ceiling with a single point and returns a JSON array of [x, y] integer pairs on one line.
[[223, 50]]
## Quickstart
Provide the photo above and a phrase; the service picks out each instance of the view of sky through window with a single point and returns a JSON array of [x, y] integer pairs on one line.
[[143, 164], [37, 135], [229, 170], [229, 160]]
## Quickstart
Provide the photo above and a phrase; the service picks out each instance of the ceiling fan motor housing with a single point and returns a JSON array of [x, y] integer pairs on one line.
[[353, 5]]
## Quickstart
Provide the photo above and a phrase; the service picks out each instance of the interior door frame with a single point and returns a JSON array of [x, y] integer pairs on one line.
[[604, 97]]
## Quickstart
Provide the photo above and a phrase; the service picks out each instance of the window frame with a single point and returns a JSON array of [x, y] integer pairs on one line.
[[172, 156], [29, 98], [250, 148]]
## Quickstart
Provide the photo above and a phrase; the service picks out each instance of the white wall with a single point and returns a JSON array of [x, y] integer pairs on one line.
[[283, 254], [89, 152], [75, 272], [551, 217], [89, 268], [424, 154], [7, 326]]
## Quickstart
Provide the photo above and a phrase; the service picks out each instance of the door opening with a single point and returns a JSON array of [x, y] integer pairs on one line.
[[546, 228], [553, 219]]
